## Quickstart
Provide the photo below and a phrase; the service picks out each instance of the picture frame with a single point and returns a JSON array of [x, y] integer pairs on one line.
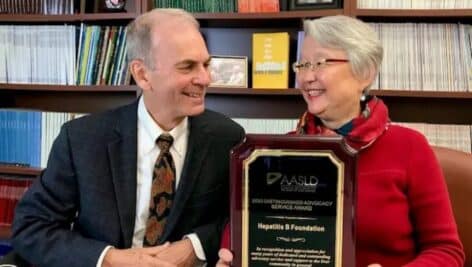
[[229, 71], [314, 4], [109, 6]]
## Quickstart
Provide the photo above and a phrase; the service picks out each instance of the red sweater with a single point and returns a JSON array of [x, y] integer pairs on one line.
[[404, 216]]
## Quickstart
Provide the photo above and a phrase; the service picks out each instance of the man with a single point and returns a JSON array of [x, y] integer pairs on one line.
[[93, 205]]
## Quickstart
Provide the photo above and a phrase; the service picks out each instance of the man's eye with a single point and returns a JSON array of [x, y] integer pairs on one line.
[[186, 67]]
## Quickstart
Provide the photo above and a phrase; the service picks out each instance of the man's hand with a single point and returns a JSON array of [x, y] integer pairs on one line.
[[180, 253], [225, 258], [133, 257]]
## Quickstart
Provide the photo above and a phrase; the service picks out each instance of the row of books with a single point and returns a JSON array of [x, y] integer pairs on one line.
[[21, 137], [102, 56], [37, 54], [52, 55], [429, 57], [44, 7], [417, 56], [414, 4], [27, 136], [12, 189], [222, 6], [5, 247], [212, 6], [446, 135], [251, 6], [420, 56]]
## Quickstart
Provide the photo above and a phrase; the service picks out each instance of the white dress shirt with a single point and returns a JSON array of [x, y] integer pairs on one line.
[[148, 132]]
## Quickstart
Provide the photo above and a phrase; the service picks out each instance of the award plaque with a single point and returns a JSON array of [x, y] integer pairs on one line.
[[292, 201]]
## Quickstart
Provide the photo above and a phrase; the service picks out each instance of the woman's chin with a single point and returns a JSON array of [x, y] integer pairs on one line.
[[316, 108]]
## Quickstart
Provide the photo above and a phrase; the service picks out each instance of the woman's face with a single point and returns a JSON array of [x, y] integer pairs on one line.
[[330, 90]]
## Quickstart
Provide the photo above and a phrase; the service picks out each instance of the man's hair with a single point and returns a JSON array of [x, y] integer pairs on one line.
[[356, 38], [138, 38]]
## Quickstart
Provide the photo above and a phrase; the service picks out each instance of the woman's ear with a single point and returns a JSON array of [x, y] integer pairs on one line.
[[140, 74], [368, 78]]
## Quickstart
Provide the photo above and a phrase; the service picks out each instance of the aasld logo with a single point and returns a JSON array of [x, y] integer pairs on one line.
[[293, 182]]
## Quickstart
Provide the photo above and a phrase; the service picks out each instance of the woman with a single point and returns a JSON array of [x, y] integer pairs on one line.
[[403, 215]]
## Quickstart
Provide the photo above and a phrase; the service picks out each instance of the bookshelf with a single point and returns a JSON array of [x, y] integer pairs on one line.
[[35, 18], [236, 29], [63, 98], [406, 106], [74, 98], [409, 106], [20, 172], [70, 98]]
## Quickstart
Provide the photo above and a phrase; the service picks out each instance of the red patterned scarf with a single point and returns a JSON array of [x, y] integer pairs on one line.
[[366, 128]]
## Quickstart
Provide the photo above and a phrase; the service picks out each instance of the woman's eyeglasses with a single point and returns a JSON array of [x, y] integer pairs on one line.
[[299, 66]]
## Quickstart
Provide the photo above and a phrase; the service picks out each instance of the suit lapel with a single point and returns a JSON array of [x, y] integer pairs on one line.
[[122, 152], [197, 149]]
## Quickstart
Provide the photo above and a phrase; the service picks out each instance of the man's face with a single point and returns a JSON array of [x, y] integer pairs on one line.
[[180, 74]]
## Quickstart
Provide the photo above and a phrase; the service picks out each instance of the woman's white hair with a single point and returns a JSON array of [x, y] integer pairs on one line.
[[138, 37], [356, 38]]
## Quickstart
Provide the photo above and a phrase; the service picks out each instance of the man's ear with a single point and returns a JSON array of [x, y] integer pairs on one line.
[[140, 74]]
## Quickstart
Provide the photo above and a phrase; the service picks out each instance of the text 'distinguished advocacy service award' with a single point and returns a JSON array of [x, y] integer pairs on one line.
[[292, 202]]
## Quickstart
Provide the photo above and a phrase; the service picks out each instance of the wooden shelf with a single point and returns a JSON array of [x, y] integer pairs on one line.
[[26, 18], [63, 98], [404, 106], [269, 15], [414, 16], [113, 89], [69, 88], [5, 232], [430, 13], [295, 92], [282, 19], [251, 91], [423, 94], [17, 170]]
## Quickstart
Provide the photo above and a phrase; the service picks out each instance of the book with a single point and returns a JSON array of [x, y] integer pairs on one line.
[[11, 191], [270, 65], [301, 36]]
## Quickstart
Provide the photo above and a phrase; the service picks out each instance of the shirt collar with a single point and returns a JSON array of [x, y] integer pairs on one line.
[[151, 131]]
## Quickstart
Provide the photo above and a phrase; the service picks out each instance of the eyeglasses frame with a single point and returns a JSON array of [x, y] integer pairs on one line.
[[297, 66]]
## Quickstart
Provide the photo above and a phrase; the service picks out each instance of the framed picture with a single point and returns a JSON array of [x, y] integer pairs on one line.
[[228, 71], [110, 6], [314, 4]]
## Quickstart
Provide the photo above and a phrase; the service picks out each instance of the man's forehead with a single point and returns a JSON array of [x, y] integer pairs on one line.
[[172, 35], [191, 60], [173, 26]]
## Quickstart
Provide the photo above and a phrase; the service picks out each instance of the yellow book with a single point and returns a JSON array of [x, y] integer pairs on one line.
[[270, 55]]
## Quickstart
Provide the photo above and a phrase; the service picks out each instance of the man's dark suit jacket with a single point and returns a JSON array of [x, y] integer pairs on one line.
[[86, 197]]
